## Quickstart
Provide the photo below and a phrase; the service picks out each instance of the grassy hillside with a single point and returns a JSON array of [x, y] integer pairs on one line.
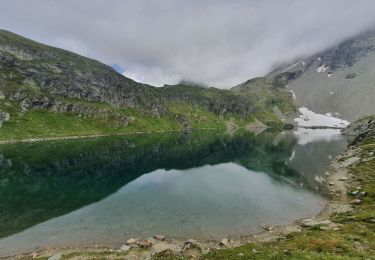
[[46, 91]]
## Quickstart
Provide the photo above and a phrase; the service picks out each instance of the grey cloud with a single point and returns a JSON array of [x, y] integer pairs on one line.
[[220, 43]]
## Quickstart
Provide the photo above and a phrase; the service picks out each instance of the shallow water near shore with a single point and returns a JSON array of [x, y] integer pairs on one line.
[[201, 185]]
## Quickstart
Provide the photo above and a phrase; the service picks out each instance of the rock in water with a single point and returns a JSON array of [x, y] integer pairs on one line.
[[159, 237]]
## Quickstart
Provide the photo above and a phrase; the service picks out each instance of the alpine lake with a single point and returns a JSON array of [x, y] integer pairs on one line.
[[200, 184]]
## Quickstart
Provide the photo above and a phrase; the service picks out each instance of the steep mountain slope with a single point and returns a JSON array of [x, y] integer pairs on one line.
[[50, 91], [340, 81]]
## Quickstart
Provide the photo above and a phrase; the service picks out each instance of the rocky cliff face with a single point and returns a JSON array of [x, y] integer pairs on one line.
[[360, 130], [340, 80]]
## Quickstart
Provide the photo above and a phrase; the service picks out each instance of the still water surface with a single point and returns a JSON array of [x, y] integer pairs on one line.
[[190, 185]]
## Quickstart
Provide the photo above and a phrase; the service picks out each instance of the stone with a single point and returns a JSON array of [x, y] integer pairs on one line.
[[34, 255], [164, 246], [4, 117], [363, 194], [354, 192], [313, 223], [125, 248], [131, 241], [267, 227], [191, 243], [159, 237], [356, 202], [145, 243], [240, 254], [343, 178], [350, 161], [224, 242], [55, 257]]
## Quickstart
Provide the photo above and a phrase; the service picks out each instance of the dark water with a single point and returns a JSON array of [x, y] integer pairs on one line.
[[185, 185]]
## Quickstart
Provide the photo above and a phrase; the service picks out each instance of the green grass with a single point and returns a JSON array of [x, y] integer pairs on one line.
[[43, 123]]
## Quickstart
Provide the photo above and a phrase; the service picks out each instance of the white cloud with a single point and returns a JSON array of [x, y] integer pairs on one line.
[[216, 42]]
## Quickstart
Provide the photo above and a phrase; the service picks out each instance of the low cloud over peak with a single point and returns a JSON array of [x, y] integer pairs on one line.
[[216, 42]]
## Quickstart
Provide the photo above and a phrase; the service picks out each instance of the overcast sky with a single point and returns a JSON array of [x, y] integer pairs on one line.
[[218, 42]]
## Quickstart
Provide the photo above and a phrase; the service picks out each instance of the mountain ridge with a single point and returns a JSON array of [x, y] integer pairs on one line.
[[36, 79]]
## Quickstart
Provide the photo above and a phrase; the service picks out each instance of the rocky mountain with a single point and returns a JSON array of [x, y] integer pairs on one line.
[[37, 77], [339, 81]]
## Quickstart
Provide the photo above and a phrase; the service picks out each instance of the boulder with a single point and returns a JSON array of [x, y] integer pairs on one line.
[[190, 244], [131, 242], [4, 117], [313, 223], [125, 248], [225, 242], [356, 202], [145, 243]]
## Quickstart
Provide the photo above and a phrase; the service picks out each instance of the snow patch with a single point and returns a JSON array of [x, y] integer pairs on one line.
[[310, 119]]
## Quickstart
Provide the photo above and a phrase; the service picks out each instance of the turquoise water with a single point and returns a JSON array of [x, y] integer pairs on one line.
[[198, 185]]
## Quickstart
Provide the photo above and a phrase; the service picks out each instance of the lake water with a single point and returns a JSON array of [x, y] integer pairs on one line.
[[200, 185]]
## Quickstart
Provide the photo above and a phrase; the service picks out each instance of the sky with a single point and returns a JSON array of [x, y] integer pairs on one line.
[[215, 42]]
